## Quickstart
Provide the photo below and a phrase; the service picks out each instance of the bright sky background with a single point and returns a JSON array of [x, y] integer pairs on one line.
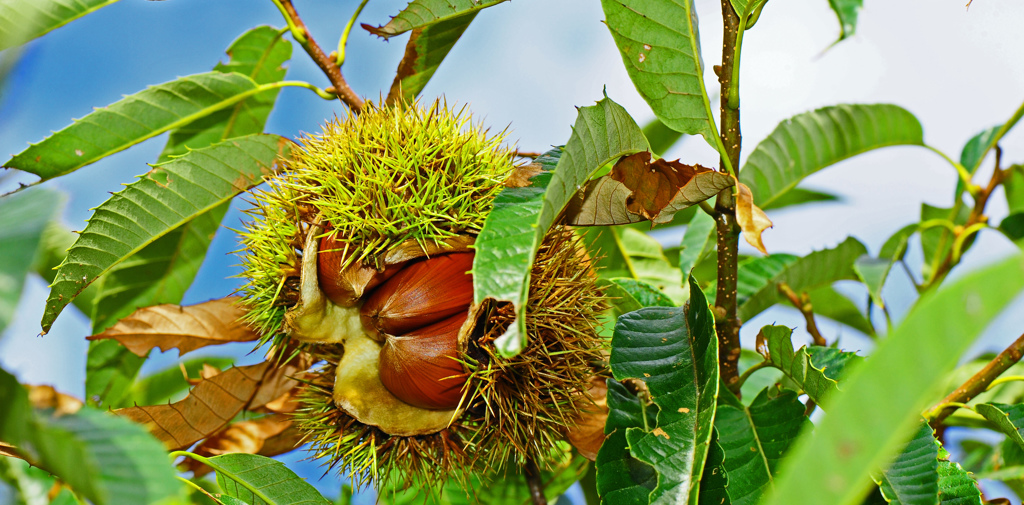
[[526, 64]]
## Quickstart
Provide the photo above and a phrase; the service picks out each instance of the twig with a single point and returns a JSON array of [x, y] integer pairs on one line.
[[330, 67], [533, 481], [21, 187], [802, 303], [978, 383], [528, 154]]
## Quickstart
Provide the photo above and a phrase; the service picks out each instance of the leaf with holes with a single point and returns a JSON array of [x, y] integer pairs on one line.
[[660, 47], [422, 13], [24, 20], [674, 352], [833, 464], [258, 480], [133, 119], [755, 437], [426, 49], [186, 328], [808, 142], [513, 230], [161, 200]]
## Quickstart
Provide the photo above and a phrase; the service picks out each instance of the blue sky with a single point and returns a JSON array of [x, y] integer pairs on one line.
[[526, 64]]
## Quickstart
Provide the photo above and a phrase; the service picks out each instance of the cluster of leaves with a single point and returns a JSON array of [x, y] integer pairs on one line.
[[677, 430]]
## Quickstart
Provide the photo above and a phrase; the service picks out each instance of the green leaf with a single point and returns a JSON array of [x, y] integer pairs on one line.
[[161, 200], [24, 20], [674, 351], [754, 274], [110, 369], [808, 142], [714, 485], [956, 487], [165, 385], [660, 46], [421, 13], [796, 365], [513, 231], [1013, 183], [912, 478], [755, 438], [1013, 227], [131, 120], [800, 196], [16, 414], [628, 295], [661, 137], [820, 268], [831, 361], [936, 241], [895, 247], [25, 216], [622, 478], [1008, 419], [873, 272], [426, 49], [259, 480], [827, 302], [259, 54], [846, 11], [53, 248], [647, 262], [698, 241], [979, 145], [832, 464], [605, 249]]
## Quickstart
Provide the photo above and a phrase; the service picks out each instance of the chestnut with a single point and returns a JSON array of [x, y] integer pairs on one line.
[[422, 368]]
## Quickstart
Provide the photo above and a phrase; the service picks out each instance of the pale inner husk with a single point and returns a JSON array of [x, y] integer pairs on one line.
[[358, 389]]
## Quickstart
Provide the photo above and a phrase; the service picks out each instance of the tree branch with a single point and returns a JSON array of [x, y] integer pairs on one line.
[[727, 324], [802, 302], [330, 68], [534, 483], [977, 384]]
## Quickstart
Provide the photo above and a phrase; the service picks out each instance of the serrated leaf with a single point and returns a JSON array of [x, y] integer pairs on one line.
[[508, 242], [831, 361], [258, 480], [421, 13], [956, 487], [426, 49], [210, 406], [820, 268], [755, 438], [638, 189], [714, 485], [808, 142], [775, 344], [698, 240], [660, 47], [53, 248], [25, 217], [832, 465], [674, 352], [912, 478], [161, 200], [873, 272], [975, 150], [24, 20], [186, 328], [1008, 419], [162, 386], [846, 11], [800, 196], [131, 120]]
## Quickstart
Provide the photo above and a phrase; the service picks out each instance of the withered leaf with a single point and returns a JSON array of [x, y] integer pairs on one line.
[[276, 391], [46, 397], [211, 404], [638, 189], [751, 218], [247, 437], [588, 433], [186, 327]]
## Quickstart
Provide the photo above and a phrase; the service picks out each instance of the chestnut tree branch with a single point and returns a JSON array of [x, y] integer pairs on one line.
[[727, 324], [534, 482], [802, 302], [978, 383], [329, 66]]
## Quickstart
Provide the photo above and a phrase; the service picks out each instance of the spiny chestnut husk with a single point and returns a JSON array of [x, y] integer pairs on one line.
[[360, 251]]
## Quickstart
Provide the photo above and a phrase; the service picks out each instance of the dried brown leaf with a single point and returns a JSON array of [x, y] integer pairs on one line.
[[247, 437], [279, 385], [588, 433], [521, 175], [45, 397], [751, 218], [638, 189], [188, 328], [210, 405]]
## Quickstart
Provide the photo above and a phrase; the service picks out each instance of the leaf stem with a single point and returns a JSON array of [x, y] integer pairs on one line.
[[330, 67], [961, 171], [199, 488], [1004, 380], [223, 472], [343, 41], [728, 327], [979, 382], [750, 371]]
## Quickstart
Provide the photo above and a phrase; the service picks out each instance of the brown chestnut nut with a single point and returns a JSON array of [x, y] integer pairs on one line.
[[421, 368], [346, 286], [421, 294]]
